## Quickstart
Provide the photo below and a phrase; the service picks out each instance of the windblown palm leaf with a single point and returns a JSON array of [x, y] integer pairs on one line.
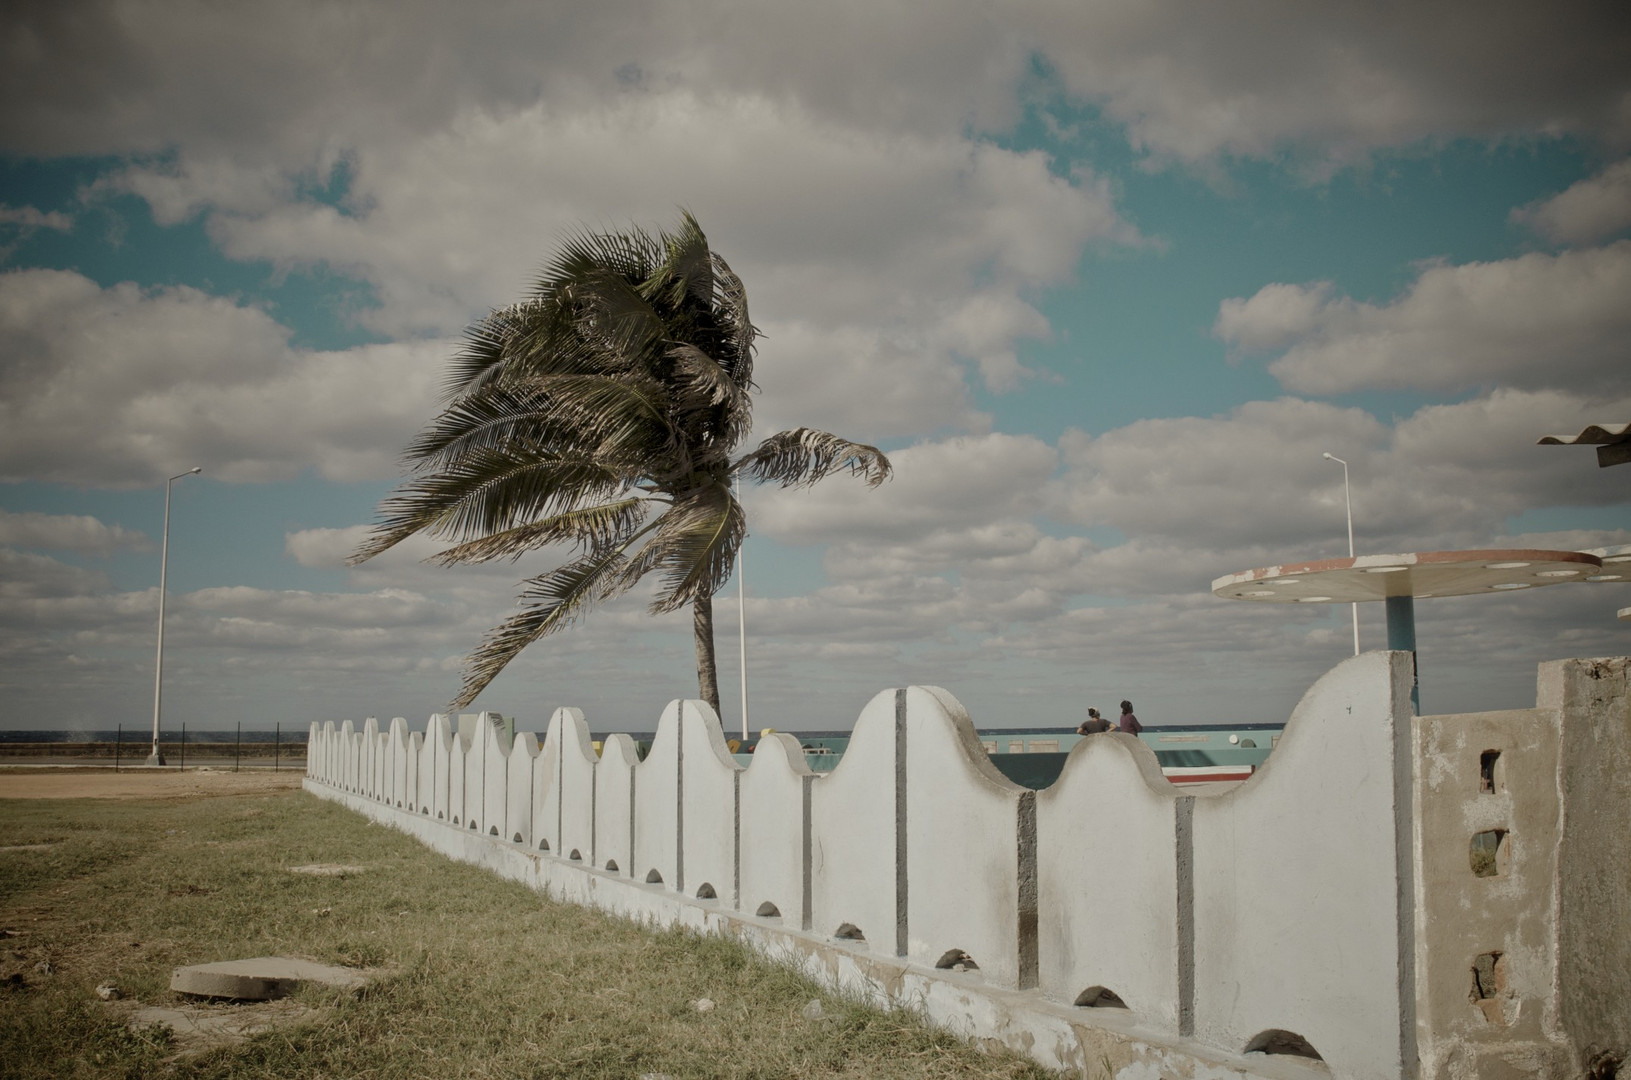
[[601, 413]]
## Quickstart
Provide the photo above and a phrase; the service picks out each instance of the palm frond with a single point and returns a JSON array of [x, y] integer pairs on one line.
[[731, 302], [694, 545], [591, 527], [489, 490], [805, 455], [554, 600]]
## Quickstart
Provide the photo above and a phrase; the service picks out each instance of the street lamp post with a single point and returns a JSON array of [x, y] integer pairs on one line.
[[1349, 501], [157, 756], [742, 626]]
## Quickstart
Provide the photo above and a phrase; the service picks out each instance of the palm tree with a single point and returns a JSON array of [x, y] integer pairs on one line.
[[601, 413]]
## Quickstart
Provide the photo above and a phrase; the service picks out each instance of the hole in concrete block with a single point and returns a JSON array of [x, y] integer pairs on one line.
[[611, 864], [454, 819], [1488, 975], [654, 878], [706, 892], [516, 839], [1604, 1065], [492, 830], [849, 932], [1486, 771], [1278, 1041], [575, 855], [956, 960], [1485, 853], [767, 910], [1248, 744], [543, 844], [1100, 997], [399, 804], [425, 810], [472, 824]]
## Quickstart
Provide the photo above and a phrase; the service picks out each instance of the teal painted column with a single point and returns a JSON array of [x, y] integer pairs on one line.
[[1401, 636]]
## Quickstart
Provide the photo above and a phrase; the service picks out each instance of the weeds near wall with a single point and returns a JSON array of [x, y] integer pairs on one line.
[[486, 977]]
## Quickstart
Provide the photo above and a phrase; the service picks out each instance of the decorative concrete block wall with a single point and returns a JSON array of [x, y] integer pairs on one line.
[[1340, 901], [775, 832], [576, 802], [1111, 842], [1302, 882], [614, 806]]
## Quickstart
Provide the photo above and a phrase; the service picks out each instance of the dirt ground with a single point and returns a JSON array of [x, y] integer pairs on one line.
[[65, 783]]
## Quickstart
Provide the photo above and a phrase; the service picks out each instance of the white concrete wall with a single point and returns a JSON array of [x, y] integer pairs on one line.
[[1107, 880], [495, 770], [1303, 881], [614, 805], [577, 780], [656, 803], [519, 789], [853, 819], [398, 763], [476, 747], [434, 756], [1288, 904], [773, 830], [966, 894], [546, 793], [708, 779], [458, 751]]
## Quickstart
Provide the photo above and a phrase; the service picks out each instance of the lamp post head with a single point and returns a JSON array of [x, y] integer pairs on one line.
[[1327, 456], [196, 469]]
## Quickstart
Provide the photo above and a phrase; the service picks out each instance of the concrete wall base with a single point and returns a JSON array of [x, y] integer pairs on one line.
[[1101, 1044]]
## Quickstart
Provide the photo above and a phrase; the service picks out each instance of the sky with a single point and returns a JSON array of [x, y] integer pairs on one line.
[[1104, 279]]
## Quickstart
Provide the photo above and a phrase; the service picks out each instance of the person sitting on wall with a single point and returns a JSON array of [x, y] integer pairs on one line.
[[1094, 724], [1129, 722]]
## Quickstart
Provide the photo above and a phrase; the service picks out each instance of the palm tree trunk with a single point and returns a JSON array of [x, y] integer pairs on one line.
[[702, 624]]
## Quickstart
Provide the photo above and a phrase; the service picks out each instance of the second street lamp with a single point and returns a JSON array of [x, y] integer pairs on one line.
[[157, 756], [1349, 501]]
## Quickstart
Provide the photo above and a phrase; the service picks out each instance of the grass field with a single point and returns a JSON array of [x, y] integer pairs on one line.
[[484, 977]]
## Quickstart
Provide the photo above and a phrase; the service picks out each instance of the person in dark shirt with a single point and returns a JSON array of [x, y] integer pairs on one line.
[[1094, 724], [1129, 722]]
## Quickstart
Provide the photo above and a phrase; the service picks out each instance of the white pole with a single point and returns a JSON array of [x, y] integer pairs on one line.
[[157, 757], [1346, 498], [741, 626]]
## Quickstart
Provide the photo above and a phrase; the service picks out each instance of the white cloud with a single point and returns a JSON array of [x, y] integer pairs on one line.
[[67, 532], [1196, 81], [890, 258], [25, 576], [1531, 322], [125, 386], [959, 483], [1190, 80], [1590, 210]]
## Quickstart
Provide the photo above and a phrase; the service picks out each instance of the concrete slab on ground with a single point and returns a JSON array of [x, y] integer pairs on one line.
[[262, 978]]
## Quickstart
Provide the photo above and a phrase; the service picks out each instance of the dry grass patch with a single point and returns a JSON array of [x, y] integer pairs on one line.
[[488, 979]]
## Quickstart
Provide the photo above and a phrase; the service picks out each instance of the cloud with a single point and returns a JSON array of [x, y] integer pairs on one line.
[[1194, 82], [1444, 476], [124, 386], [1590, 210], [25, 576], [958, 483], [1189, 80], [29, 218], [1532, 322], [67, 532], [895, 259]]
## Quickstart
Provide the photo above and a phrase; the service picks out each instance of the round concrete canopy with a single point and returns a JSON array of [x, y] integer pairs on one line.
[[1418, 574], [1616, 563]]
